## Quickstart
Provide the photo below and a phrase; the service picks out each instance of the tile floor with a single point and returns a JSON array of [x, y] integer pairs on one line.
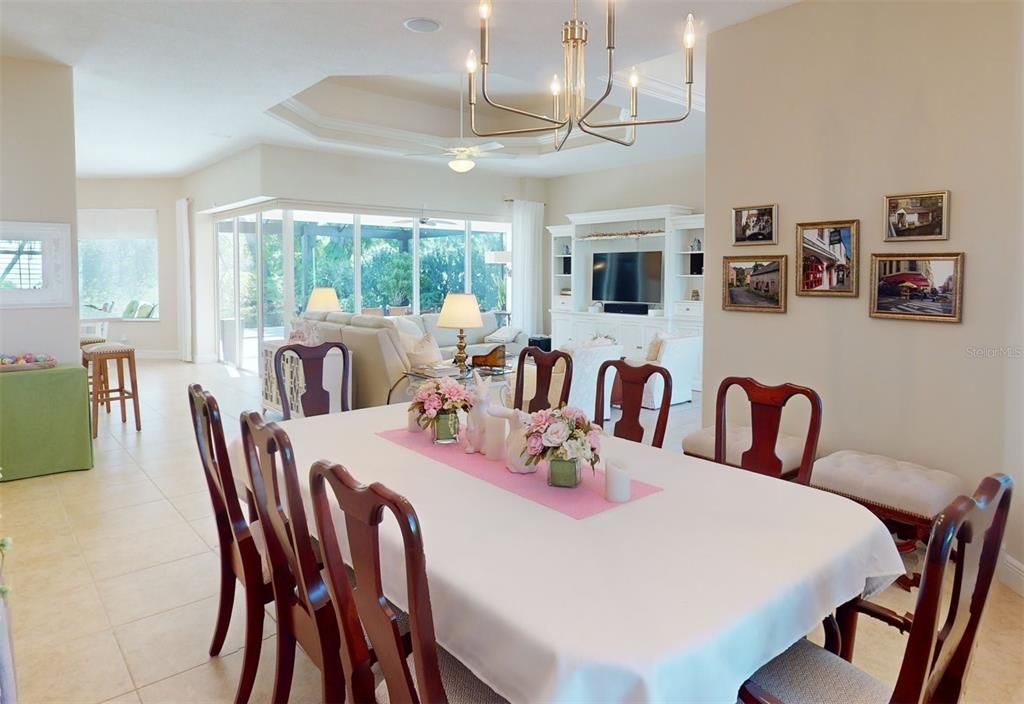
[[114, 576]]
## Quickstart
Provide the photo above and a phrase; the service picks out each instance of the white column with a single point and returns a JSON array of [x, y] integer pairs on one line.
[[288, 261], [357, 256], [415, 267]]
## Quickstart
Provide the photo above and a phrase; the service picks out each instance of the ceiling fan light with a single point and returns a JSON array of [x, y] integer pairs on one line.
[[461, 165]]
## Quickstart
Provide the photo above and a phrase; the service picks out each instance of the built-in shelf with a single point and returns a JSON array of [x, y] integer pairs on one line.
[[699, 251], [569, 275], [692, 276], [563, 256]]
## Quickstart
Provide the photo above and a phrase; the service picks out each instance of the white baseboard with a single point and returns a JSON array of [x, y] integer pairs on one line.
[[1011, 573], [156, 354]]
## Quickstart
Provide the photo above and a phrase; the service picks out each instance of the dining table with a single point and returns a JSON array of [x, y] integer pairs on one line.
[[678, 595]]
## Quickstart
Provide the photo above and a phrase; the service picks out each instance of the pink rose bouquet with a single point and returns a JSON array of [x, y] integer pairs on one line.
[[564, 434], [438, 397]]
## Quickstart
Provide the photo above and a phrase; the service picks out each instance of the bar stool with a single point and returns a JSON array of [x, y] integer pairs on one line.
[[101, 354]]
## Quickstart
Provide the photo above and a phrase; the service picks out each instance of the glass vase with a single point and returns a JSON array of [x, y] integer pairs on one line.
[[564, 473], [446, 428]]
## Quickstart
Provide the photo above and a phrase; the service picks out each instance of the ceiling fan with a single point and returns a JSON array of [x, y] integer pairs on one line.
[[462, 158], [424, 221]]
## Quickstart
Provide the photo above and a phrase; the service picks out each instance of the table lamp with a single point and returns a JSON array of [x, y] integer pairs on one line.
[[461, 311], [323, 299]]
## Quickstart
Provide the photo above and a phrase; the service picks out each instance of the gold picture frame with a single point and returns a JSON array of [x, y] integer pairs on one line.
[[742, 292], [739, 215], [916, 207], [918, 286], [828, 258]]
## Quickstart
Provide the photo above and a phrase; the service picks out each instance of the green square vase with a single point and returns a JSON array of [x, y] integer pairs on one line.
[[446, 428], [564, 473]]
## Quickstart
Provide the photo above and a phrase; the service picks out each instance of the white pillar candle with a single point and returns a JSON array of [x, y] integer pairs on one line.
[[616, 483], [494, 445], [412, 422]]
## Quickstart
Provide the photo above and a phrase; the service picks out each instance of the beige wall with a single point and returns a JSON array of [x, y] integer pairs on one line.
[[824, 107], [155, 337], [37, 184], [675, 182]]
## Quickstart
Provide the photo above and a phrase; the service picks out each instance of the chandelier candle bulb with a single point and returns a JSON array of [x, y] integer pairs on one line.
[[485, 9], [471, 62]]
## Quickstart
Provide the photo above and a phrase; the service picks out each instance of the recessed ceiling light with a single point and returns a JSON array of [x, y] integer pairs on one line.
[[422, 25]]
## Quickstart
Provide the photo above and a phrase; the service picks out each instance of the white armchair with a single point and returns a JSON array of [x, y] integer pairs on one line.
[[679, 356]]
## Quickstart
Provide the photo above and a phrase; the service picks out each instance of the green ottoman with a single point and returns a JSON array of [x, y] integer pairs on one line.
[[44, 422]]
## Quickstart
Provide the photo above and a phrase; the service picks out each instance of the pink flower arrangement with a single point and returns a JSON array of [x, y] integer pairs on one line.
[[437, 397], [565, 434]]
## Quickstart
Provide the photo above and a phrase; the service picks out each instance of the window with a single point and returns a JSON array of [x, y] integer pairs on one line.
[[118, 268], [21, 264], [226, 291], [491, 258], [442, 262], [385, 268], [273, 275], [324, 246]]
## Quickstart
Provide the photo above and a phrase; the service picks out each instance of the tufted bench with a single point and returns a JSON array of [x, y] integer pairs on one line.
[[788, 448], [904, 495]]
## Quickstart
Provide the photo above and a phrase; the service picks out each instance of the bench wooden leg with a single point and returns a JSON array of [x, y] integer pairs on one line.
[[135, 390]]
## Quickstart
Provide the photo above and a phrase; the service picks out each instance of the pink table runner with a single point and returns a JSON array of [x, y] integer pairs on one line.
[[582, 502]]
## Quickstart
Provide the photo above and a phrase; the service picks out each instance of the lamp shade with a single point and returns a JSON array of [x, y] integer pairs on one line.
[[323, 299], [460, 310], [499, 257]]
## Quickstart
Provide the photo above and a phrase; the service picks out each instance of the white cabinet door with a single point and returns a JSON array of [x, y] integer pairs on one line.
[[631, 337], [582, 331], [561, 331]]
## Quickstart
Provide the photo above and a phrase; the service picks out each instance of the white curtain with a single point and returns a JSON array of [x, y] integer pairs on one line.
[[184, 257], [528, 266]]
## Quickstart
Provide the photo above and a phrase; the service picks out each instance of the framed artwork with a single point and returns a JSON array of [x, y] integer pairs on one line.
[[917, 216], [917, 286], [755, 284], [755, 224], [35, 265], [829, 257]]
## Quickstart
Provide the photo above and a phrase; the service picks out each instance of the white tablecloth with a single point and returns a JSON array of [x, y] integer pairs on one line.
[[678, 597]]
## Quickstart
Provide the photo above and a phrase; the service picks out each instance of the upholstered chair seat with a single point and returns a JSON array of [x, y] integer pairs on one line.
[[809, 674], [738, 438], [461, 685], [883, 481], [101, 348], [90, 340]]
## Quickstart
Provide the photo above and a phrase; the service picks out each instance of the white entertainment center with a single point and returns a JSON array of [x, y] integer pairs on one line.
[[673, 230]]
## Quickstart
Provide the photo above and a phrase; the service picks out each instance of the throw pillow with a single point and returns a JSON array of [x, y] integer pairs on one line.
[[503, 335], [424, 351], [405, 326], [654, 348]]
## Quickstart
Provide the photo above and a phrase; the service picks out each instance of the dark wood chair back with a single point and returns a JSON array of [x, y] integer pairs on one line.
[[232, 525], [938, 655], [545, 363], [315, 400], [363, 508], [304, 610], [766, 404], [633, 380]]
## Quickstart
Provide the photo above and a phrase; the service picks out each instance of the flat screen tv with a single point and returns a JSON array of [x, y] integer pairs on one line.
[[627, 277]]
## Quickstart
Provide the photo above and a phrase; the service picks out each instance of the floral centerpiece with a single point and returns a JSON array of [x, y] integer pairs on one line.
[[437, 403], [564, 437]]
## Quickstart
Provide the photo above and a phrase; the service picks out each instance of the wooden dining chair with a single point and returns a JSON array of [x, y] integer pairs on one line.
[[545, 365], [302, 602], [941, 640], [315, 400], [242, 547], [428, 674], [632, 380], [766, 404]]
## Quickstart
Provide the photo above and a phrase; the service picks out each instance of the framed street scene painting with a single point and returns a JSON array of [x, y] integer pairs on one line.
[[917, 216], [755, 284], [829, 256], [755, 224], [917, 286]]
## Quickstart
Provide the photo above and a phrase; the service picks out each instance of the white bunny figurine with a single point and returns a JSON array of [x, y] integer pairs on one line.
[[516, 443], [476, 430]]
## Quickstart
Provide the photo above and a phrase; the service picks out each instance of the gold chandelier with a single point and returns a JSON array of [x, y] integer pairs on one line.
[[568, 92]]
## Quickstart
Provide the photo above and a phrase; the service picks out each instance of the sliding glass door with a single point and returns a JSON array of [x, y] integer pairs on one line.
[[269, 262]]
